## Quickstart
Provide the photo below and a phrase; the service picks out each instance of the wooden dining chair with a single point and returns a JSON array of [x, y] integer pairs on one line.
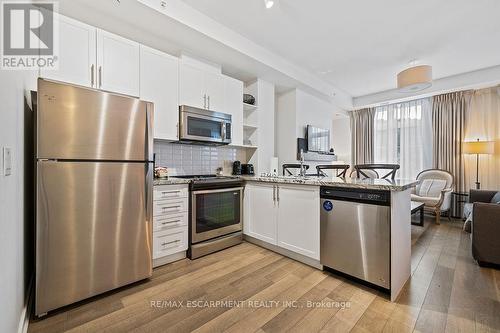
[[361, 169], [337, 167], [292, 166]]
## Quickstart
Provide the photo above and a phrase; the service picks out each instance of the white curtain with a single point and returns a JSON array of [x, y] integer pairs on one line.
[[484, 123], [403, 135]]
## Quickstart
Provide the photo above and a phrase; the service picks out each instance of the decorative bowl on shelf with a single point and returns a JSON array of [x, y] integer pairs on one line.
[[248, 99]]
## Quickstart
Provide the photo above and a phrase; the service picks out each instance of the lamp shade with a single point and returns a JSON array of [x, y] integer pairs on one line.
[[415, 78], [479, 147]]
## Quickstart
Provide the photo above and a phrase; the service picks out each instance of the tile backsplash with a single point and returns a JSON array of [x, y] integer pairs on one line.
[[185, 159]]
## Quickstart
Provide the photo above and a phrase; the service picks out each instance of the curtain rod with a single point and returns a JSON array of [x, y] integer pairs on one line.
[[423, 96]]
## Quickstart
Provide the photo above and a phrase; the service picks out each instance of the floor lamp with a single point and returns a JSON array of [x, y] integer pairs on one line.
[[478, 148]]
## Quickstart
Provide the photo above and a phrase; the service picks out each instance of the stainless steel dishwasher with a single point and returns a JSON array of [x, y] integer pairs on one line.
[[355, 233]]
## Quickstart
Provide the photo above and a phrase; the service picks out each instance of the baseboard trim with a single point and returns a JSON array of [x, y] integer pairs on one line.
[[24, 319], [169, 259], [287, 253]]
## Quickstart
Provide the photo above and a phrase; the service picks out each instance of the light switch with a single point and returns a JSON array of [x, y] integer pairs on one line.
[[7, 161]]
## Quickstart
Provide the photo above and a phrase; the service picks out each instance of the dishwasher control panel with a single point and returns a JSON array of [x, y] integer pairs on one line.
[[376, 197]]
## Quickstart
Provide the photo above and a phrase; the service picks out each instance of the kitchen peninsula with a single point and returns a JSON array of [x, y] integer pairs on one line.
[[358, 227]]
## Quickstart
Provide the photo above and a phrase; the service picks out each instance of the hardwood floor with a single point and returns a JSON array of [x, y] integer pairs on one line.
[[448, 292]]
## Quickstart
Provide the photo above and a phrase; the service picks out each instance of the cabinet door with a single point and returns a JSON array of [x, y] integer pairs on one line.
[[214, 88], [77, 53], [233, 97], [298, 219], [192, 91], [260, 212], [118, 61], [160, 85]]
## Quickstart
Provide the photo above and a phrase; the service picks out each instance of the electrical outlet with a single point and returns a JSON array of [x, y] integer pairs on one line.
[[7, 161]]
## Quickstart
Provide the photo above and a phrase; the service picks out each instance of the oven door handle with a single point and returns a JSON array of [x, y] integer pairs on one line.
[[230, 189]]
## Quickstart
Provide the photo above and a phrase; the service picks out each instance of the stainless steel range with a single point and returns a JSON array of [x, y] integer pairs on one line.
[[216, 213]]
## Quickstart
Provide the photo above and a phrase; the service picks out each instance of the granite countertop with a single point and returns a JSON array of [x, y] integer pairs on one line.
[[170, 181], [371, 184]]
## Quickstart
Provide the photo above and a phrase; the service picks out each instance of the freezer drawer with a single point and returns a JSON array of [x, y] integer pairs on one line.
[[94, 229], [355, 240]]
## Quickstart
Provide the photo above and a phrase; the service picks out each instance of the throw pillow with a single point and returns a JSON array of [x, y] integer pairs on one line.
[[431, 187], [496, 198]]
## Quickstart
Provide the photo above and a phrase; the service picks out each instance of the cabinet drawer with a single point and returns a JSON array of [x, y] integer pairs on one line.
[[168, 222], [170, 192], [169, 242], [168, 207]]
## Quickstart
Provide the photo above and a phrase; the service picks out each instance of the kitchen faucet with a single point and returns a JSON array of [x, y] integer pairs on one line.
[[302, 172]]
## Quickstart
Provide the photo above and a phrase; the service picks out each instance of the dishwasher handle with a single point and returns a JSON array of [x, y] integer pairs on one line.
[[374, 197]]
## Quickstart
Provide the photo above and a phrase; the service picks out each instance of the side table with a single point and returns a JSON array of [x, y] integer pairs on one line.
[[458, 199]]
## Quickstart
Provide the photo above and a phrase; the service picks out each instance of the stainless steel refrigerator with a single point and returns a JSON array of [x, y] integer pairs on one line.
[[94, 174]]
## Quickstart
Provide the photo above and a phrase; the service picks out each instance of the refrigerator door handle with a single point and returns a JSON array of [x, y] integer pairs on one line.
[[149, 132], [149, 204]]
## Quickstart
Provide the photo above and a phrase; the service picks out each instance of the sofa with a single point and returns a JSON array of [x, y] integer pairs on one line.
[[482, 215]]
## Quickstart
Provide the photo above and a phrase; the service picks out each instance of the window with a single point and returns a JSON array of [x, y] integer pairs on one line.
[[403, 135]]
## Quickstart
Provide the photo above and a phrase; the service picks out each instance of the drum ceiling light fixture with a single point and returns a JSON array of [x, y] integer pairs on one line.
[[415, 78]]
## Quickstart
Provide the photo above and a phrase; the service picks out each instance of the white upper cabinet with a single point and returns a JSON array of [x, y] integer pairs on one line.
[[118, 62], [214, 88], [260, 212], [233, 97], [160, 85], [77, 53], [192, 87], [201, 88], [298, 219]]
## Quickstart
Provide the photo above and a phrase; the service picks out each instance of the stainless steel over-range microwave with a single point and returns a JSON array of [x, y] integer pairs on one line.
[[201, 125]]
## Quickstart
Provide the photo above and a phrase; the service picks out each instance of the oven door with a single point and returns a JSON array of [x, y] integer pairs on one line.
[[216, 213]]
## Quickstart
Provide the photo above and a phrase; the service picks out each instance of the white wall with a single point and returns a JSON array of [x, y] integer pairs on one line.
[[341, 138], [286, 135], [12, 262], [295, 110]]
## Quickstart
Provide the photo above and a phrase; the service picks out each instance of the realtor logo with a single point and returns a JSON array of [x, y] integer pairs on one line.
[[28, 35]]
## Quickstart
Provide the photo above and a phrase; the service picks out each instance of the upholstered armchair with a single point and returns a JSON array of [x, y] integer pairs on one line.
[[434, 191]]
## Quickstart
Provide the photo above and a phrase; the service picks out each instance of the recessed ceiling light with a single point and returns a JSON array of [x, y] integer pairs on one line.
[[269, 3]]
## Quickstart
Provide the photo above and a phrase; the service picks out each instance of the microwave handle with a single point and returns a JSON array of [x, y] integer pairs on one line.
[[223, 124]]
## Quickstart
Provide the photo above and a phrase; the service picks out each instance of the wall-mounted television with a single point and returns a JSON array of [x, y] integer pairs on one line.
[[318, 139]]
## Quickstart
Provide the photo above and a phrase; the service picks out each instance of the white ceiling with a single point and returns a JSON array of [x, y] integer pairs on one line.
[[360, 46]]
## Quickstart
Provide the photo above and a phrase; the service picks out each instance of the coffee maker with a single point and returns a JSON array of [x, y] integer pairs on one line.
[[236, 168]]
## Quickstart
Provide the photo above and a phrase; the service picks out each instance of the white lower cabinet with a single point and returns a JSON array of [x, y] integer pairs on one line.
[[259, 220], [284, 215], [170, 223], [298, 219], [169, 242]]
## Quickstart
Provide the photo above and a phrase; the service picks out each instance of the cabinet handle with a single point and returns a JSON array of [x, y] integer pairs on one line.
[[278, 194], [100, 76], [274, 193], [92, 75], [208, 102], [170, 222], [170, 207], [205, 101], [168, 192], [172, 242]]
